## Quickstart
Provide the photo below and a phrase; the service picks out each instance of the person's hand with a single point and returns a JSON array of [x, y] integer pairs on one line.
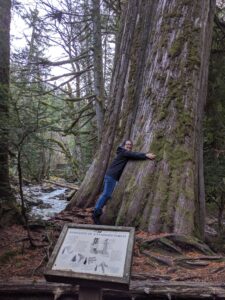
[[150, 155]]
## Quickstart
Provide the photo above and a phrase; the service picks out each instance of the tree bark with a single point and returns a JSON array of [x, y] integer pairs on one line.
[[158, 94], [98, 67], [92, 182], [8, 211]]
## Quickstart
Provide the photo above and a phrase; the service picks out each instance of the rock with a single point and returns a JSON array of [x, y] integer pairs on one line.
[[210, 231], [45, 205], [36, 202], [59, 196], [70, 195], [47, 188]]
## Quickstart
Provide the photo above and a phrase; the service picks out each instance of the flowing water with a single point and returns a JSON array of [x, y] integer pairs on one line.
[[45, 204]]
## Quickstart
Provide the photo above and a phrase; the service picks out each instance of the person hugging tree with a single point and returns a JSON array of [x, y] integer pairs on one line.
[[114, 172]]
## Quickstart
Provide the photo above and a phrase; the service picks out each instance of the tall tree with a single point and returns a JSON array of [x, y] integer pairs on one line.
[[158, 92], [98, 66], [8, 211]]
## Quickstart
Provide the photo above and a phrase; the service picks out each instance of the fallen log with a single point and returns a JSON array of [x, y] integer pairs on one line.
[[141, 289], [70, 195], [181, 290], [69, 186]]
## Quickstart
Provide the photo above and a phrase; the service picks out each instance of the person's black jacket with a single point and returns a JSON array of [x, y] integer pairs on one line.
[[115, 170]]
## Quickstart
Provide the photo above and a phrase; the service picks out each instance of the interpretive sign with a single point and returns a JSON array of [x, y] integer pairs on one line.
[[100, 254]]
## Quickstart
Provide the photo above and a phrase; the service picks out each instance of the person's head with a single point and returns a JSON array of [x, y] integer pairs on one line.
[[127, 144]]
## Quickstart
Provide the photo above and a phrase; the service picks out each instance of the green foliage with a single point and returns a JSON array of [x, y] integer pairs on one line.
[[52, 117], [40, 129]]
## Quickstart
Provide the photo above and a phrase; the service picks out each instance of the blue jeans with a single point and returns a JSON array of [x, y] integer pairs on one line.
[[109, 185]]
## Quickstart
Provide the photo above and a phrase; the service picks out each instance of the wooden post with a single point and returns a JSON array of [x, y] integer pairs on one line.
[[87, 293]]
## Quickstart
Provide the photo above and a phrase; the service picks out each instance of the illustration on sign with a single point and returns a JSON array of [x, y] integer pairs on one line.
[[93, 251]]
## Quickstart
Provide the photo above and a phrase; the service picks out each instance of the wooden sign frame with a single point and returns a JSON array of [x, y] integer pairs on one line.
[[59, 274]]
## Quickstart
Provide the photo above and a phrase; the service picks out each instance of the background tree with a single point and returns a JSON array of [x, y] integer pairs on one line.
[[98, 66], [78, 89], [158, 93], [8, 210]]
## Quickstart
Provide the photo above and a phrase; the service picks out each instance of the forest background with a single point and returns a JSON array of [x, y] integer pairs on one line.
[[58, 102]]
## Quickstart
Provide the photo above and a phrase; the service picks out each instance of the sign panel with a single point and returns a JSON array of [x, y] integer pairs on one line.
[[93, 251], [90, 252]]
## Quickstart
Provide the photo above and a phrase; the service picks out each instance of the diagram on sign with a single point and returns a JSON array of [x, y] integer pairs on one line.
[[94, 252]]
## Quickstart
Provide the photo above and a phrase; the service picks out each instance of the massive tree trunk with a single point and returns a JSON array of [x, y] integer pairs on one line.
[[8, 211], [158, 93]]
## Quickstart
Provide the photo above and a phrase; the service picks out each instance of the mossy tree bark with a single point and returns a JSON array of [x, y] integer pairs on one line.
[[158, 93], [8, 210]]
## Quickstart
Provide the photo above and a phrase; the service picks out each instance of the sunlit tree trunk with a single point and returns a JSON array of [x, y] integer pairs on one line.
[[8, 211], [158, 92]]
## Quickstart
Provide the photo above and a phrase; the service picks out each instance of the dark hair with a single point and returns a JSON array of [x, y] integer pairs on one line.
[[124, 142]]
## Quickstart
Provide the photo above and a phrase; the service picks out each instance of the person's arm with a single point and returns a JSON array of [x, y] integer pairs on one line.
[[138, 155]]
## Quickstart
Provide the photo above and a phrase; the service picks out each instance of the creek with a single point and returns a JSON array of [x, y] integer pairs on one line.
[[44, 202]]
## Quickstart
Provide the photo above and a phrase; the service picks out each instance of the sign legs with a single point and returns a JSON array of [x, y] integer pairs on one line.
[[87, 293]]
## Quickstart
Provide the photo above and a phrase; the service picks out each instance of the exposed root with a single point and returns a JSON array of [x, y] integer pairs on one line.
[[175, 243]]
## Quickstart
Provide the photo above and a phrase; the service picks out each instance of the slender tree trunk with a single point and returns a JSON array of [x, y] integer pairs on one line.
[[23, 207], [8, 212], [98, 67], [158, 94], [77, 147]]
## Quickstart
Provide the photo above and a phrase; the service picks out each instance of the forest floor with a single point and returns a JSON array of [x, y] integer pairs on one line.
[[158, 257]]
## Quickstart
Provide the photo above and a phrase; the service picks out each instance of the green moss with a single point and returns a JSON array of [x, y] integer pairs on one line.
[[161, 77], [162, 189], [165, 149], [177, 155], [131, 185], [193, 58], [176, 89], [111, 214], [187, 2], [176, 47], [18, 264], [163, 41], [145, 246], [120, 220], [173, 188], [189, 193], [157, 147], [167, 186], [184, 125], [148, 92], [7, 256], [139, 141], [173, 14], [165, 28], [162, 115], [131, 91], [148, 180], [149, 61], [129, 190], [173, 152]]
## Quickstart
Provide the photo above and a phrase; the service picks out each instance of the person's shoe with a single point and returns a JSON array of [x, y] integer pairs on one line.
[[96, 219]]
